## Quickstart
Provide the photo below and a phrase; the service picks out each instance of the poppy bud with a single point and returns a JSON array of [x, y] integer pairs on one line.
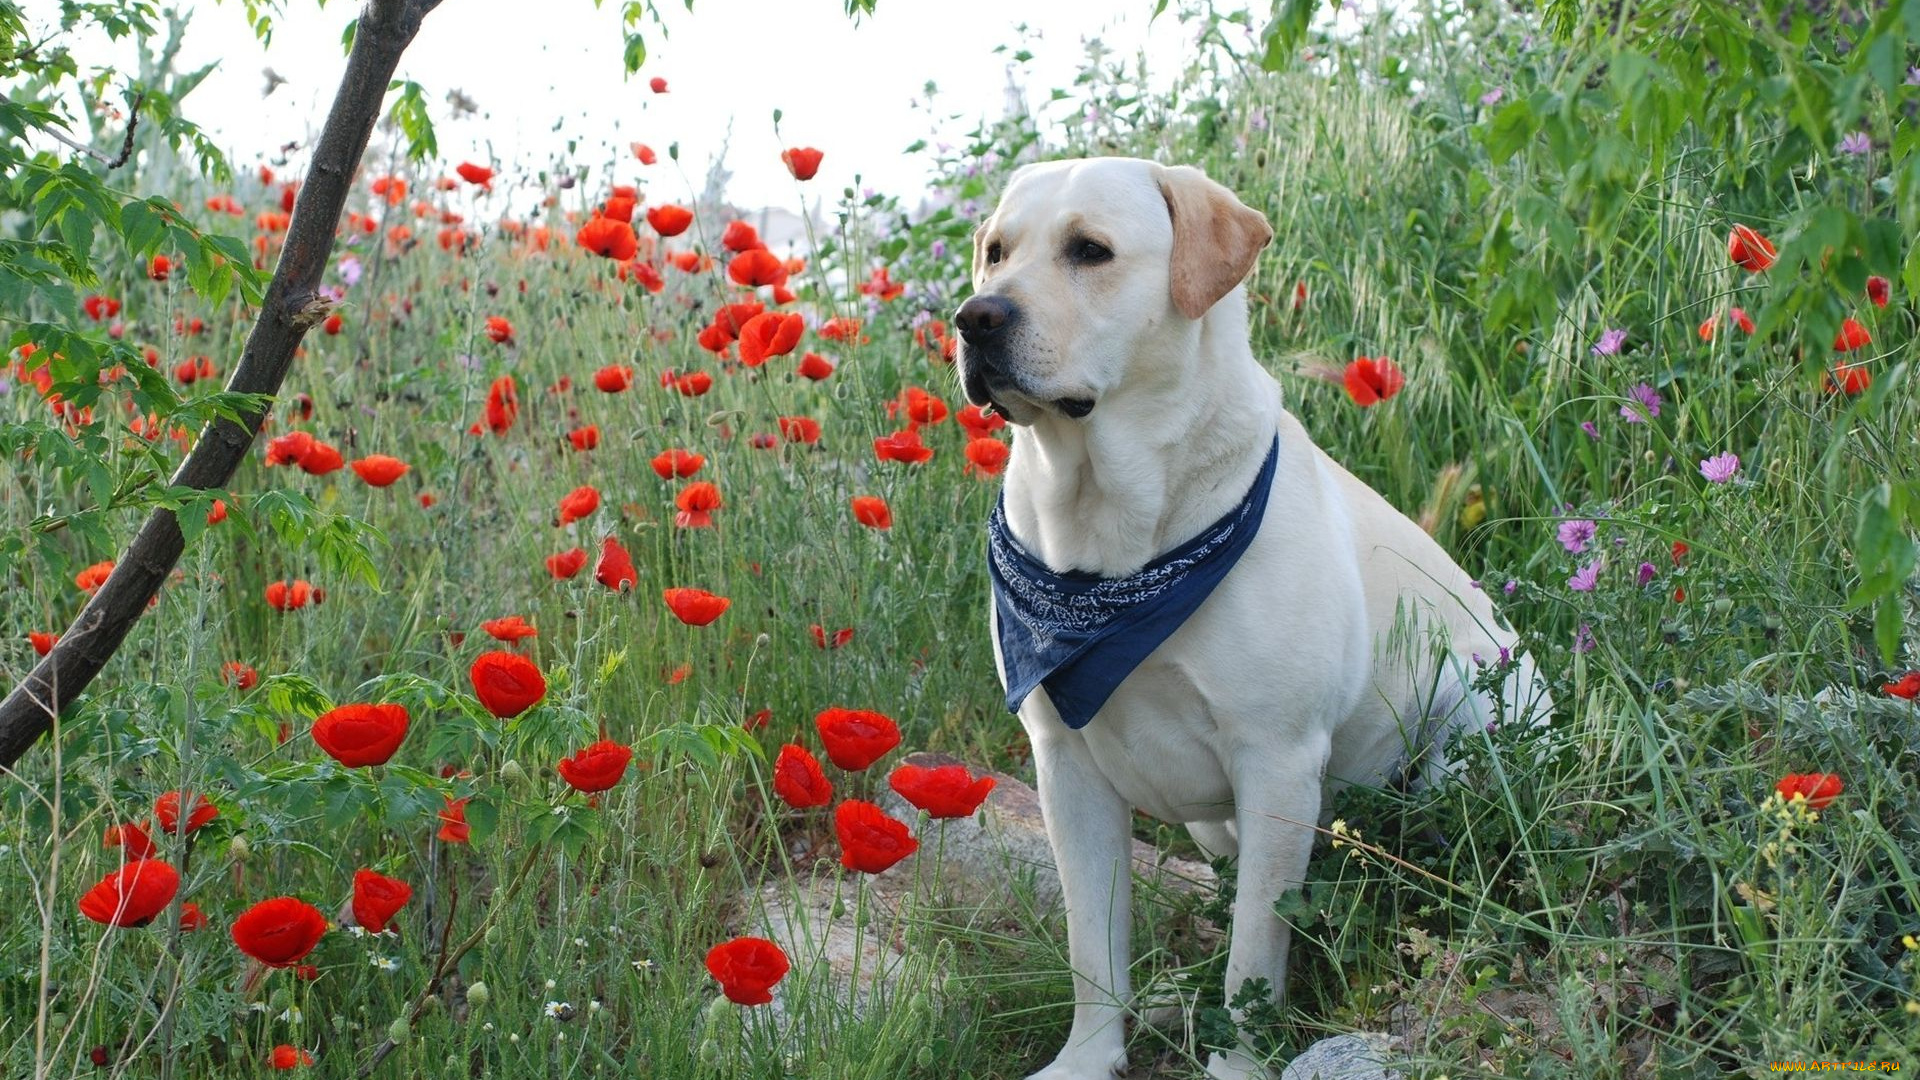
[[477, 995], [398, 1030], [512, 773], [238, 849]]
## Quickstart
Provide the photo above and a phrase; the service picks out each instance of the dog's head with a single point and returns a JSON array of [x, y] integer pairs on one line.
[[1089, 269]]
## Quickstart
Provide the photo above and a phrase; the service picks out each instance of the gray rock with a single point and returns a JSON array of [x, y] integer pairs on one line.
[[1359, 1056]]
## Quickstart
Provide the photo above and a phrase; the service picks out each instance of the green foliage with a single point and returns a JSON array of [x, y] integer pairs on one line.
[[409, 114]]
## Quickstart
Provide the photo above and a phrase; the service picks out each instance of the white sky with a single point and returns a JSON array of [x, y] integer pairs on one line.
[[534, 65]]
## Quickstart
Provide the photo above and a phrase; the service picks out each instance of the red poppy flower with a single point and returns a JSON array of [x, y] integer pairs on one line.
[[1879, 290], [840, 637], [755, 267], [453, 822], [856, 738], [42, 643], [802, 161], [567, 564], [585, 438], [1818, 789], [357, 735], [1749, 250], [979, 424], [289, 595], [94, 576], [288, 1057], [379, 470], [288, 449], [219, 512], [986, 457], [747, 969], [510, 628], [1848, 379], [922, 407], [798, 778], [1371, 381], [615, 569], [503, 404], [596, 768], [693, 385], [613, 378], [619, 208], [945, 792], [605, 236], [880, 285], [279, 932], [499, 329], [800, 429], [131, 838], [677, 464], [1851, 336], [160, 268], [669, 220], [167, 809], [768, 334], [872, 511], [695, 607], [507, 684], [697, 502], [870, 841], [475, 174], [376, 898], [235, 673], [191, 917], [814, 366], [131, 895], [320, 459], [903, 445], [1907, 686], [331, 326], [740, 236], [643, 152], [578, 503], [657, 84]]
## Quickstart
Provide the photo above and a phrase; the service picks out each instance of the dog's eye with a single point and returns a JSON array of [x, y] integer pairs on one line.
[[993, 253], [1088, 251]]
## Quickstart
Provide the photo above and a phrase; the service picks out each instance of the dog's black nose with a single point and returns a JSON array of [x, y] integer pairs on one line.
[[982, 317]]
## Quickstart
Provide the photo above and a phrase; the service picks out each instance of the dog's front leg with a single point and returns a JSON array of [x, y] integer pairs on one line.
[[1275, 812], [1086, 823]]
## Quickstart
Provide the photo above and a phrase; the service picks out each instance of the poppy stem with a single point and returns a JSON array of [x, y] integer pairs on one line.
[[293, 305]]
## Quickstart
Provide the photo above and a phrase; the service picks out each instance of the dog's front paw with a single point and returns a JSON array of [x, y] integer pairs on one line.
[[1080, 1065], [1235, 1066]]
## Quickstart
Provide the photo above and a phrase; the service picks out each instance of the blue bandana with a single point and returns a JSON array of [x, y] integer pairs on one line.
[[1080, 635]]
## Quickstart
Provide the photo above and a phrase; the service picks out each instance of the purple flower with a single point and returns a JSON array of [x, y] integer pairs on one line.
[[1510, 587], [1913, 76], [1257, 120], [1643, 404], [1506, 656], [470, 361], [1585, 578], [938, 250], [1493, 96], [1720, 468], [1646, 575], [1574, 535], [1592, 431], [1856, 143], [1610, 342], [350, 271], [1583, 641]]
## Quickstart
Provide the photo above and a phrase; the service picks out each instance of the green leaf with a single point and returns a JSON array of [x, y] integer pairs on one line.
[[635, 53]]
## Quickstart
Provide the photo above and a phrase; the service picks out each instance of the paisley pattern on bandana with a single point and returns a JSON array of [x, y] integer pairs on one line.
[[1080, 635]]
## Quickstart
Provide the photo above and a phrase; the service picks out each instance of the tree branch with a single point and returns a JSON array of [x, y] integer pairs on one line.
[[387, 27]]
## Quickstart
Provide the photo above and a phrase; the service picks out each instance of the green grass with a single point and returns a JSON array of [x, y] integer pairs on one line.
[[1607, 907]]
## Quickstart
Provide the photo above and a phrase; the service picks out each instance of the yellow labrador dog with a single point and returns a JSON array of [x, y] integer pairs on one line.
[[1196, 611]]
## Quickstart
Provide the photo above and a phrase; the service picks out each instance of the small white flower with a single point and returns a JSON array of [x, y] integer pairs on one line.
[[594, 1005], [550, 984], [384, 963], [488, 1026], [515, 1037], [291, 1016], [356, 931], [581, 942], [646, 966], [558, 1010]]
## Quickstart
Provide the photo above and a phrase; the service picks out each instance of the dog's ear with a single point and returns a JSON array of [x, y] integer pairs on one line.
[[1216, 238]]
